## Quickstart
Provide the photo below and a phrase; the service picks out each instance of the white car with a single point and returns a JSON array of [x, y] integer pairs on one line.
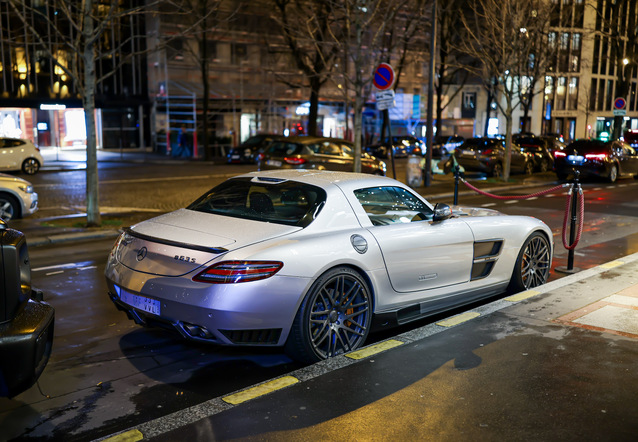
[[19, 154], [313, 260], [17, 198]]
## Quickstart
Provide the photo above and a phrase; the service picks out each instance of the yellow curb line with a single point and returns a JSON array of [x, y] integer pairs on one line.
[[127, 436], [611, 264], [522, 295], [260, 390], [458, 319], [374, 349]]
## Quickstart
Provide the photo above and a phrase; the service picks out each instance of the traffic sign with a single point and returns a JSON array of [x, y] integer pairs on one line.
[[620, 103], [383, 77], [385, 99], [620, 112]]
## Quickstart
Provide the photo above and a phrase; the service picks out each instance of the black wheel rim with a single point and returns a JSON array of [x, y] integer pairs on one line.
[[30, 166], [339, 316], [535, 265]]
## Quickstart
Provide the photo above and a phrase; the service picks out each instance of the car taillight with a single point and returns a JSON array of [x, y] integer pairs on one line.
[[559, 154], [295, 161], [596, 156], [230, 272], [487, 152]]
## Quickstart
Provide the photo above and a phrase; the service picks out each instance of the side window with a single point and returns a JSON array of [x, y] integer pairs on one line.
[[347, 150], [389, 205], [328, 148]]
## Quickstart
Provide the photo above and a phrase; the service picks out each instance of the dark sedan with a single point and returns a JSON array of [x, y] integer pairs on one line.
[[605, 159], [246, 152], [488, 155], [538, 148], [316, 153], [402, 146]]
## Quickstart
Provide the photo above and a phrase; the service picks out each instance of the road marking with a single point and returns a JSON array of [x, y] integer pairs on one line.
[[260, 390], [458, 319], [611, 264], [72, 265], [522, 295], [54, 273], [138, 180], [374, 349], [511, 202], [488, 205], [532, 198], [127, 436]]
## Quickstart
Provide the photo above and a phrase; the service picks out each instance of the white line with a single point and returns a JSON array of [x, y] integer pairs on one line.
[[72, 265], [488, 205], [54, 273], [511, 202]]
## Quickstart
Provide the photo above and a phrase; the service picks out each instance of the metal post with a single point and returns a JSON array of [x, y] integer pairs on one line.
[[457, 172], [394, 169], [575, 191]]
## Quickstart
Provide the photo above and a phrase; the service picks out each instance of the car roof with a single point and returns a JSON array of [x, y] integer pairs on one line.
[[322, 178]]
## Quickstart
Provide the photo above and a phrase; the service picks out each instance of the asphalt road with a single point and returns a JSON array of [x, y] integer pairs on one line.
[[107, 374]]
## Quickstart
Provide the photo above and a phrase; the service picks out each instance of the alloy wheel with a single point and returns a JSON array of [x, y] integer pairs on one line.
[[339, 315], [535, 262]]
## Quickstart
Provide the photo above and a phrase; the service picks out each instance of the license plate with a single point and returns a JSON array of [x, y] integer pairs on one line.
[[273, 163], [575, 159], [235, 157], [140, 302], [469, 153]]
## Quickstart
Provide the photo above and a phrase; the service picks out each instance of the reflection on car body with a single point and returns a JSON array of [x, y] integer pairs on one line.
[[488, 155], [312, 260]]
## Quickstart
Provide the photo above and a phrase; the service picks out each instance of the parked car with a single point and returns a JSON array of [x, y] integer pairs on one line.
[[17, 198], [311, 260], [319, 153], [246, 152], [26, 321], [445, 144], [554, 143], [488, 155], [19, 154], [608, 160], [538, 148], [631, 137], [403, 146]]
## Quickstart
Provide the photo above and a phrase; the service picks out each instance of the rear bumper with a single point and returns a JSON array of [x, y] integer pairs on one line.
[[25, 346]]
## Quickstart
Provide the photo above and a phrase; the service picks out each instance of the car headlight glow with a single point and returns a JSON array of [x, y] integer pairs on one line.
[[26, 189]]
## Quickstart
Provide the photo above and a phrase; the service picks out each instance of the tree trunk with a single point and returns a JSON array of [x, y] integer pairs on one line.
[[508, 145], [315, 87], [93, 218]]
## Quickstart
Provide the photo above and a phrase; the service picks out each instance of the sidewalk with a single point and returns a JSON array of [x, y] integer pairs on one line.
[[554, 363]]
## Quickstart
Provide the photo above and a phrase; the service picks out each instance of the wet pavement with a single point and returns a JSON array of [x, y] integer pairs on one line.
[[557, 362]]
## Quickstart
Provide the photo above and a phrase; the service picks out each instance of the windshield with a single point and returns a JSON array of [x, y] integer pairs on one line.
[[277, 201]]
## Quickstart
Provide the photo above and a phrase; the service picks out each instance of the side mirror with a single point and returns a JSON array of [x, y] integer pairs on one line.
[[441, 212]]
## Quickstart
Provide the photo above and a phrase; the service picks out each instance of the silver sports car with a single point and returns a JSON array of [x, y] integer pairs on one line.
[[313, 260]]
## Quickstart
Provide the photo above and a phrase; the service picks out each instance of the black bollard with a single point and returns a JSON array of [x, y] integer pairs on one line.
[[572, 227], [457, 173]]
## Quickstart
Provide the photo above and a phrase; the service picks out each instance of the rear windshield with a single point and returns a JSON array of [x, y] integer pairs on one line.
[[278, 201], [589, 146], [284, 148]]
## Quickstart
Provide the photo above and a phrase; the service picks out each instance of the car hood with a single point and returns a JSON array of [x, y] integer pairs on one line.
[[179, 242], [474, 211], [7, 179]]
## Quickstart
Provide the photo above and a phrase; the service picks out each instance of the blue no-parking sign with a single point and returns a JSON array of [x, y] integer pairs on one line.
[[383, 77]]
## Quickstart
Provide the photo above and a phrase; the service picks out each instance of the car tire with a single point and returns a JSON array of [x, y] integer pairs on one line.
[[9, 207], [497, 170], [613, 174], [334, 317], [30, 166], [532, 265]]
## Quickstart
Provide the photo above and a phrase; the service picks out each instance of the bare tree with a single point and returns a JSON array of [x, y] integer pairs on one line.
[[312, 42], [196, 22], [496, 35], [364, 24], [79, 29]]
